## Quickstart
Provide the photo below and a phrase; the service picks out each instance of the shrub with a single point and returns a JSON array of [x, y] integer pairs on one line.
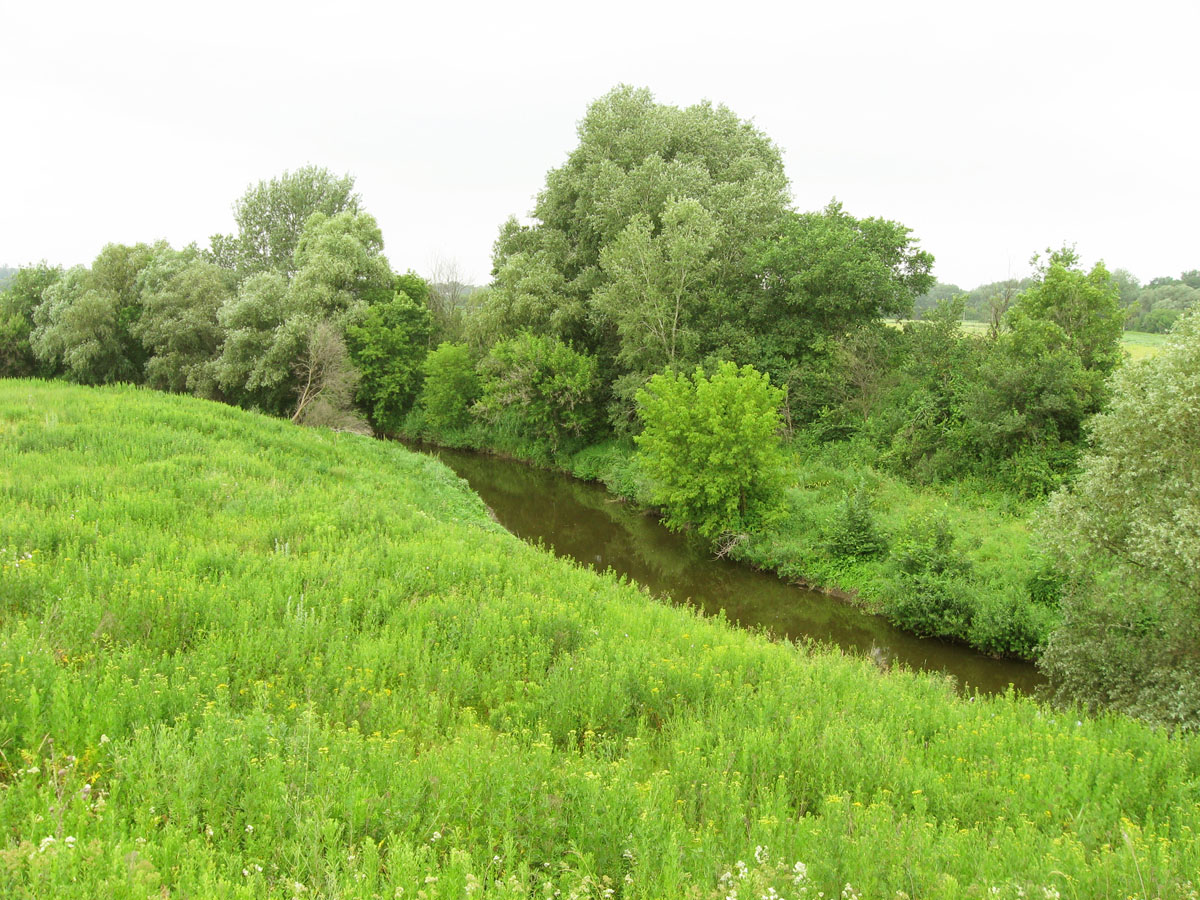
[[855, 534], [451, 387], [711, 449], [541, 390]]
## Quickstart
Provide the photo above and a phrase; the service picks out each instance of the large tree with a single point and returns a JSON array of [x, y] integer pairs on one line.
[[181, 293], [823, 275], [271, 217], [86, 321], [652, 195], [1127, 534], [339, 267]]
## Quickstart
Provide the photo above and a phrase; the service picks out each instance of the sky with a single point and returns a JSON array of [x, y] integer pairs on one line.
[[993, 131]]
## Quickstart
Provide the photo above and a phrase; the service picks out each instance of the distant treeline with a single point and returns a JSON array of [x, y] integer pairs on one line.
[[1152, 307]]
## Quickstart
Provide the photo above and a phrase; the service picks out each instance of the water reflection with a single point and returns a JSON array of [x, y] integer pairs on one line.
[[581, 521]]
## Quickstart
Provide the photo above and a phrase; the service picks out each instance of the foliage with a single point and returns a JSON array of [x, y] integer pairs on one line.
[[181, 294], [541, 390], [826, 274], [326, 383], [653, 195], [1127, 535], [259, 349], [215, 687], [339, 270], [86, 320], [855, 534], [21, 296], [711, 449], [388, 342], [450, 386], [271, 217]]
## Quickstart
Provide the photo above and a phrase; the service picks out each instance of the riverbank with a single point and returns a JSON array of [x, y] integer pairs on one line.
[[955, 561]]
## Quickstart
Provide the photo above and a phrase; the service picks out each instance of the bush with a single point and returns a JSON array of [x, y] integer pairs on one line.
[[711, 449], [451, 387], [931, 592], [855, 534], [540, 390]]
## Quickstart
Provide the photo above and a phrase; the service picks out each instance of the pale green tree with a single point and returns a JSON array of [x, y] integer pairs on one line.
[[339, 269], [271, 216], [1127, 536], [656, 283], [181, 294], [636, 160]]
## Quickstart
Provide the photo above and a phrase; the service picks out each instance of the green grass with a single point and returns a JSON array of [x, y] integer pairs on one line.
[[1138, 344], [242, 659]]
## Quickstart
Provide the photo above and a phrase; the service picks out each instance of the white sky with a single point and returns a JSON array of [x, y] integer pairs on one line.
[[992, 130]]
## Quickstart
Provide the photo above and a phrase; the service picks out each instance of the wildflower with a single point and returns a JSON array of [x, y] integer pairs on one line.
[[104, 738], [46, 842], [741, 867], [249, 828], [437, 836], [760, 854], [799, 872], [1051, 892]]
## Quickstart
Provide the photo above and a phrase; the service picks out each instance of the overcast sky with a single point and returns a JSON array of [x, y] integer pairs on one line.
[[992, 130]]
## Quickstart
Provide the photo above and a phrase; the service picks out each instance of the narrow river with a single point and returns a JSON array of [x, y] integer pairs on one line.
[[581, 521]]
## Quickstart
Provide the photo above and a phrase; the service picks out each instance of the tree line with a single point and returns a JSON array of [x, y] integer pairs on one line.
[[1153, 307], [668, 295]]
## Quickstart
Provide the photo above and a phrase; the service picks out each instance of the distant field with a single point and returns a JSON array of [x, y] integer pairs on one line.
[[1138, 344]]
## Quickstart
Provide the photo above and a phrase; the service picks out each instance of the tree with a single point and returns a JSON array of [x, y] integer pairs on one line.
[[326, 381], [1084, 305], [656, 283], [388, 342], [625, 189], [711, 448], [824, 275], [86, 321], [23, 295], [271, 217], [1127, 535], [181, 294], [339, 270], [449, 297]]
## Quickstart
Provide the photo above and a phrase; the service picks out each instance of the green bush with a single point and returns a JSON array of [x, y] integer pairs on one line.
[[855, 534], [541, 391], [451, 386], [711, 449]]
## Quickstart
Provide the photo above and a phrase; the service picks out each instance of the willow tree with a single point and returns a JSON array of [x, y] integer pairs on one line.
[[640, 239], [1127, 535]]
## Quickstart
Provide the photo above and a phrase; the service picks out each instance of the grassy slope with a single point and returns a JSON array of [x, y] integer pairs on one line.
[[242, 659]]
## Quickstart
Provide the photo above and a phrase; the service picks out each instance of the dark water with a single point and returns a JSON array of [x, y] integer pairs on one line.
[[583, 522]]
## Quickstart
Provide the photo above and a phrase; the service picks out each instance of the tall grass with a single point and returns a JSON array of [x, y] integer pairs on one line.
[[242, 659]]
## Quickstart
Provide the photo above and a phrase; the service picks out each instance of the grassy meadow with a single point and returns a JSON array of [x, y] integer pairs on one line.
[[243, 659]]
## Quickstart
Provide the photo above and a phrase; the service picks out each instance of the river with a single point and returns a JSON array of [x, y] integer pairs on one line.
[[581, 521]]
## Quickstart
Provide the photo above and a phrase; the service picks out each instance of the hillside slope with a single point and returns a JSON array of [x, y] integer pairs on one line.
[[238, 658]]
